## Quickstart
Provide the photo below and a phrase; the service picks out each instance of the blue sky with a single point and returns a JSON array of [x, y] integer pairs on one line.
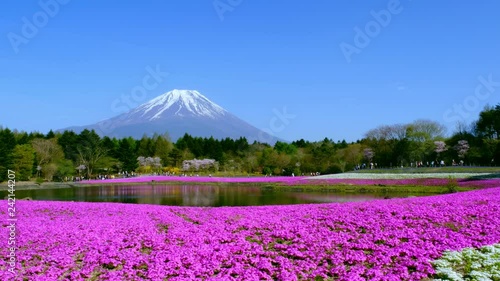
[[254, 58]]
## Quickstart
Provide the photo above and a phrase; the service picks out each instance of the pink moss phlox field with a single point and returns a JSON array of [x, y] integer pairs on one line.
[[303, 180], [377, 240], [405, 182], [480, 183], [196, 179]]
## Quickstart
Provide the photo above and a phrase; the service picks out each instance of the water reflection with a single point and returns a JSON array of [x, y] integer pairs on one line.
[[193, 195]]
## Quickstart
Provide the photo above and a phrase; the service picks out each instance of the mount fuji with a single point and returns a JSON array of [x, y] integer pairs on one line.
[[178, 112]]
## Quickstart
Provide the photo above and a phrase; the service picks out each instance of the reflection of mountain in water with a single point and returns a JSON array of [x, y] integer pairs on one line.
[[198, 196]]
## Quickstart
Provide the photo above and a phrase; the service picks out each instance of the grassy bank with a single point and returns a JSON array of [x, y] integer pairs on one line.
[[380, 189], [30, 185]]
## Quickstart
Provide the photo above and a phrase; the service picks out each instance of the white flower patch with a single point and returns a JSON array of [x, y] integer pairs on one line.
[[469, 264], [398, 176]]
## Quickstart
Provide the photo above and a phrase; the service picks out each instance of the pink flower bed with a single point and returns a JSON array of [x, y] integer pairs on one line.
[[196, 179], [301, 180], [414, 182], [480, 183], [377, 240]]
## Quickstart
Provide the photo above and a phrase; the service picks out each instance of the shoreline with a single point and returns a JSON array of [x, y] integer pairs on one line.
[[31, 185], [323, 183], [276, 186]]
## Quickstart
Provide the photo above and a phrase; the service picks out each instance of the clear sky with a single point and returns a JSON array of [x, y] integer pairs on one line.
[[339, 68]]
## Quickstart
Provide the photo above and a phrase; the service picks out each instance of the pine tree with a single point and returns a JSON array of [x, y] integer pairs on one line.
[[127, 155], [7, 144]]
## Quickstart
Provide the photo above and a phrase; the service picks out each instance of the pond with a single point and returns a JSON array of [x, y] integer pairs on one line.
[[195, 195]]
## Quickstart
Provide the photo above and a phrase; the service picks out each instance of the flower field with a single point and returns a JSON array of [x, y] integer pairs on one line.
[[197, 179], [393, 239], [404, 182], [396, 180], [398, 176]]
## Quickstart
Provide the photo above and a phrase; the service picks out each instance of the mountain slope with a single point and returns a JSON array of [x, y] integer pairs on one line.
[[178, 112]]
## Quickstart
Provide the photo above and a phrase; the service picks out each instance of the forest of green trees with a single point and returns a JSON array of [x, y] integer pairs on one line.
[[60, 156]]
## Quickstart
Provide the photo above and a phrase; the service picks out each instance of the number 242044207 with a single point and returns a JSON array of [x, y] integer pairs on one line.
[[11, 183]]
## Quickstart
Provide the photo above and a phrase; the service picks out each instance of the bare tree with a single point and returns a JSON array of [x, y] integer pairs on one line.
[[388, 132], [420, 130], [48, 152], [463, 128], [427, 129]]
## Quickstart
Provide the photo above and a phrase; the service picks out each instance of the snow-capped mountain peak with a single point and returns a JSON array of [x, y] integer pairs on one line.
[[180, 103], [178, 112]]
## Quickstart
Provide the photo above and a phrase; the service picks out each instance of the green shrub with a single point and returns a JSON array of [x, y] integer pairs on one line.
[[333, 169], [452, 185]]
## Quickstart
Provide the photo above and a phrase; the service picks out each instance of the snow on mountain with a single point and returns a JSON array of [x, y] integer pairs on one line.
[[183, 102], [178, 112]]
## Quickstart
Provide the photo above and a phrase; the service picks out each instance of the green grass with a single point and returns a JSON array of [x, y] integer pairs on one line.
[[378, 189]]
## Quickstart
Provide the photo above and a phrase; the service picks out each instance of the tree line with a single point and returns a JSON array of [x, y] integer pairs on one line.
[[61, 155]]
